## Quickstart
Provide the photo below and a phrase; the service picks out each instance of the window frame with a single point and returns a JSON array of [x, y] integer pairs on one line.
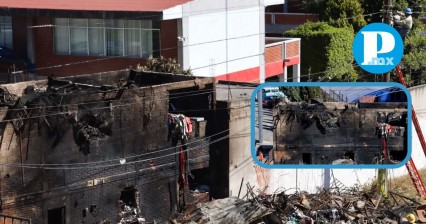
[[155, 32]]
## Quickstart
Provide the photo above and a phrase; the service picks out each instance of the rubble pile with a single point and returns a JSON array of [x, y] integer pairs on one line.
[[130, 215], [228, 210], [347, 205]]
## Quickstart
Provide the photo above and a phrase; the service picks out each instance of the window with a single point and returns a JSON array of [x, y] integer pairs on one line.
[[349, 155], [109, 37], [128, 196], [56, 216], [6, 39], [306, 158]]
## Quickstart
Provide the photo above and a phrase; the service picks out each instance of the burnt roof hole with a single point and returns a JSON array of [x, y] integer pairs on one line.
[[91, 128]]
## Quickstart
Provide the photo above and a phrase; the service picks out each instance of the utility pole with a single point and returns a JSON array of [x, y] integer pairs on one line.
[[261, 68], [387, 15]]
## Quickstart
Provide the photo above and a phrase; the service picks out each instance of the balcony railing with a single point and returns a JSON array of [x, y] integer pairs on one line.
[[14, 219], [281, 49]]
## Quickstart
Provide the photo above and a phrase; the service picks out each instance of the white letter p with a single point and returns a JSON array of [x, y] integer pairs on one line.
[[370, 45]]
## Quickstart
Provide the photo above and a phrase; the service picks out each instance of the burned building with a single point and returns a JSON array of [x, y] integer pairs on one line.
[[91, 148], [312, 132]]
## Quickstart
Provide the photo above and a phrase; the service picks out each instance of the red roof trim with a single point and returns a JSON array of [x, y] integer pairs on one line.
[[94, 5]]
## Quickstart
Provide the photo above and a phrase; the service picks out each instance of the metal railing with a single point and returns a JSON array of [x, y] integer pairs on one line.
[[288, 48], [13, 219]]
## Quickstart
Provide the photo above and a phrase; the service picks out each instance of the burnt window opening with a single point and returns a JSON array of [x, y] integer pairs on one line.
[[56, 215], [128, 196], [200, 181], [397, 155], [349, 155], [306, 158]]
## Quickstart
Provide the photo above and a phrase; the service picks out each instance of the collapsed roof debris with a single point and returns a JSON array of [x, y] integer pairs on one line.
[[228, 210], [307, 114], [313, 132], [336, 205], [89, 126]]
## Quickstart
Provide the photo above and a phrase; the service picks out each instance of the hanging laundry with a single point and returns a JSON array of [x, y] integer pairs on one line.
[[179, 126], [189, 123]]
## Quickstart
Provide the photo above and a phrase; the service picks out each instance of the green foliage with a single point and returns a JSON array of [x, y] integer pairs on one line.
[[414, 60], [372, 7], [162, 64], [326, 50], [297, 94], [339, 13]]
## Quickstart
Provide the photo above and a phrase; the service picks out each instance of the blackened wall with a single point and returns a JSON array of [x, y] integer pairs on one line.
[[303, 141], [138, 118]]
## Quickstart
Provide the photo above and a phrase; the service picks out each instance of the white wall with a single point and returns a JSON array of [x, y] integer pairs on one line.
[[219, 31], [241, 164], [311, 179]]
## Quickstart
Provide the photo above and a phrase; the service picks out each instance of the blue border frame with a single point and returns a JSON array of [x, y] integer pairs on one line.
[[330, 166]]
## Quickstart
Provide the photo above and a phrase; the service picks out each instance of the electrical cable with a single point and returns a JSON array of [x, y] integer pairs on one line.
[[47, 166]]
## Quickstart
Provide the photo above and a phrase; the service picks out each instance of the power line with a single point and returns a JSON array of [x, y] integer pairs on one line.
[[157, 151], [46, 166], [124, 56], [155, 17], [126, 176], [99, 108], [171, 48], [201, 92]]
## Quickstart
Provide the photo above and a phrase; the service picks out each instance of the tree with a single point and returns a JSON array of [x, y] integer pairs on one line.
[[338, 13], [298, 94], [371, 7], [414, 60], [326, 51], [162, 64]]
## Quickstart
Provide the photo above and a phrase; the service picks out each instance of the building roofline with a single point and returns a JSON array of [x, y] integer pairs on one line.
[[158, 9], [81, 14]]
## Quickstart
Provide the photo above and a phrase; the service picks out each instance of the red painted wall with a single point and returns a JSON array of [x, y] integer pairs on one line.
[[68, 65], [294, 18]]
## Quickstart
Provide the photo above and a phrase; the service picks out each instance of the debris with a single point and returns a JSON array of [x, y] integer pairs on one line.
[[130, 215], [228, 210], [336, 205], [312, 113]]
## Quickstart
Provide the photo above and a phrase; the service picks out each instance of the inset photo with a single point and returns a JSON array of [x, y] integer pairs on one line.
[[333, 124]]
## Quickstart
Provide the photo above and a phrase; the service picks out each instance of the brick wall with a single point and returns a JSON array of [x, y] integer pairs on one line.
[[19, 31], [139, 126], [45, 56]]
